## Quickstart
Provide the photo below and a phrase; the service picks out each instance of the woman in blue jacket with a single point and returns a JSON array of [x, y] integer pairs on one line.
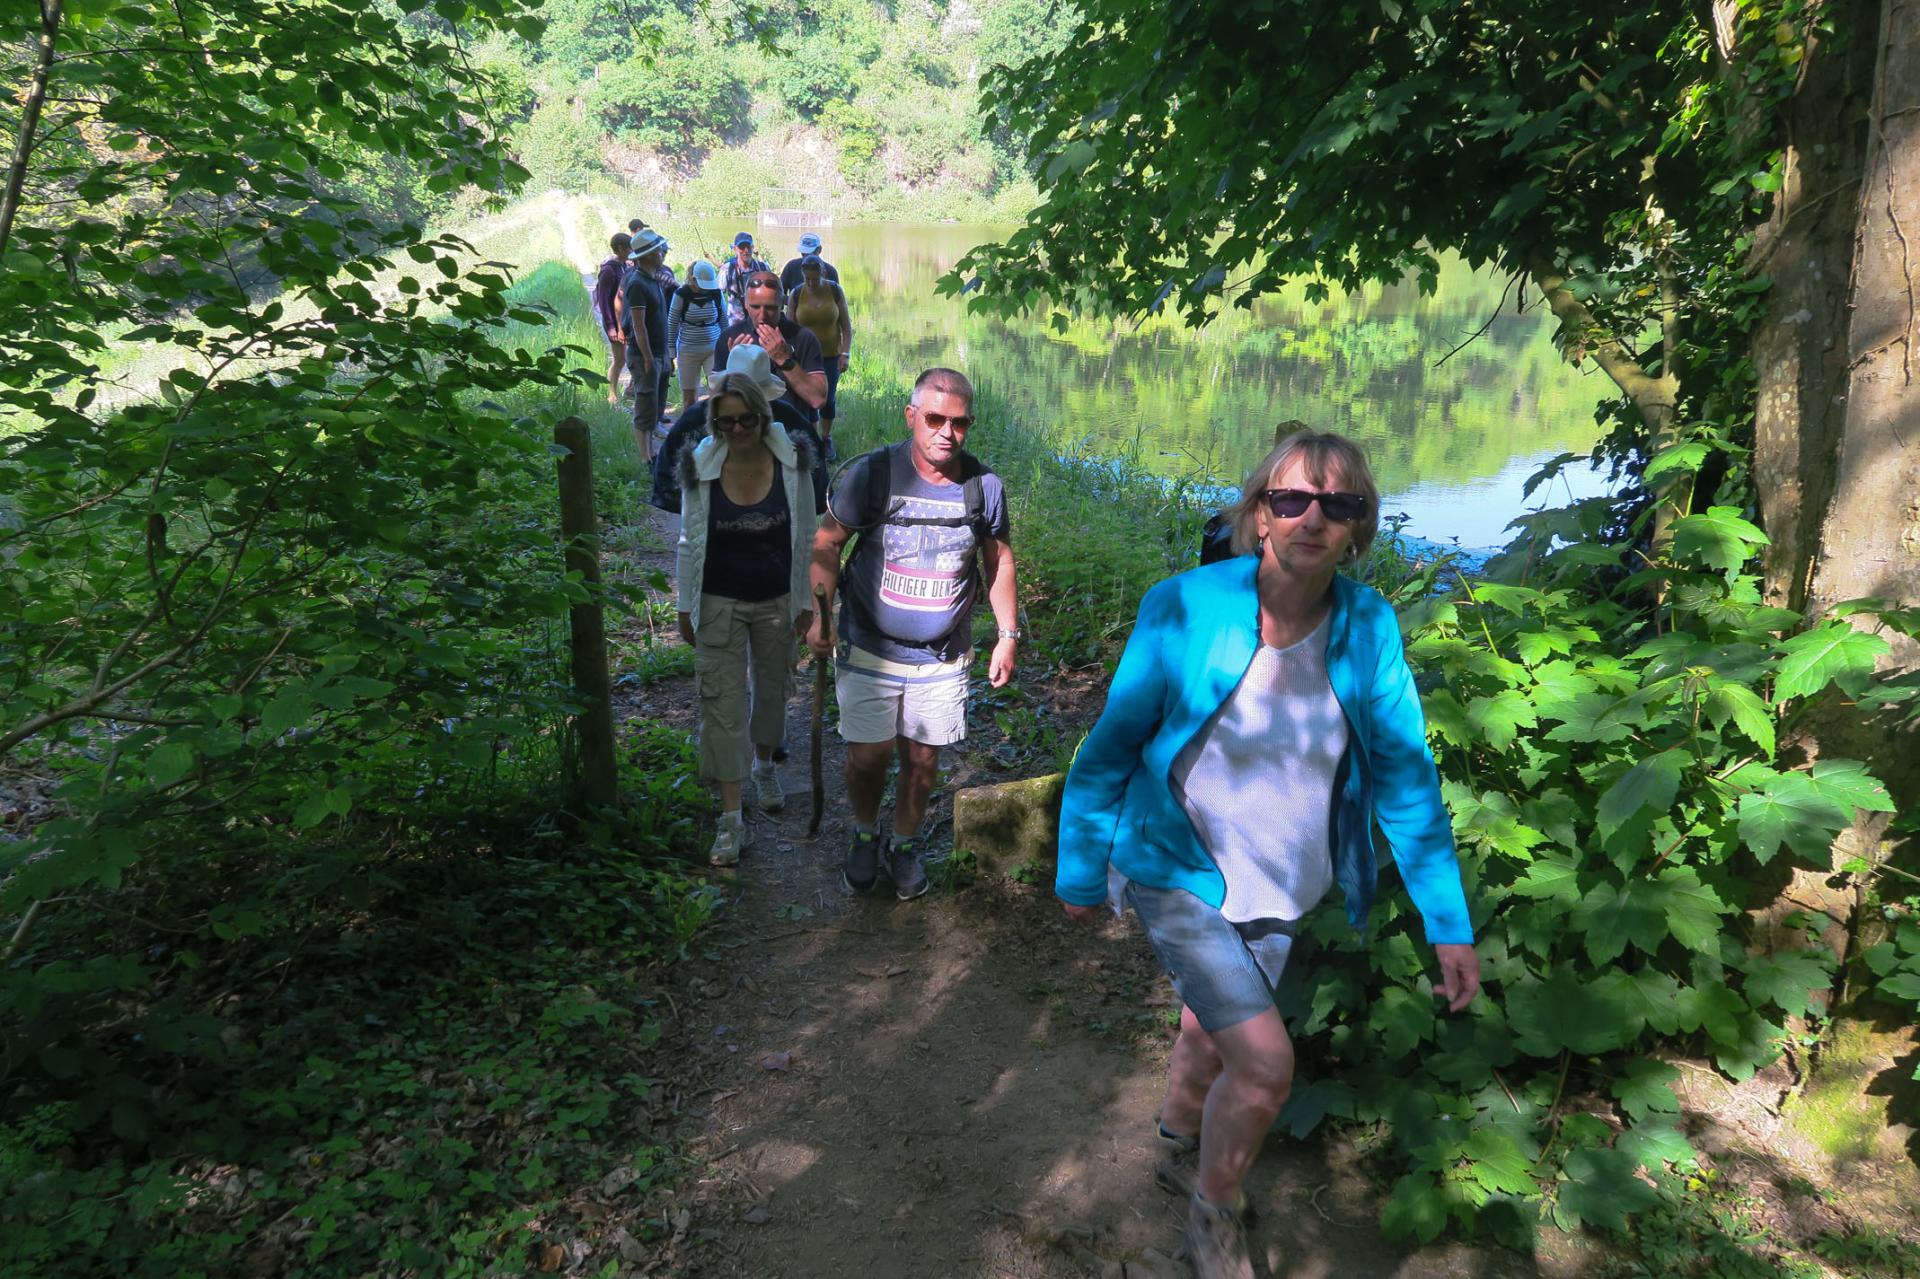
[[1262, 719]]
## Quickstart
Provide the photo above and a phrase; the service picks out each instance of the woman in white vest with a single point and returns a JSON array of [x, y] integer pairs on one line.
[[749, 510]]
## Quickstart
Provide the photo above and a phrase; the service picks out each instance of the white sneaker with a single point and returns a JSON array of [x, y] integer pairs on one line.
[[766, 789], [729, 837]]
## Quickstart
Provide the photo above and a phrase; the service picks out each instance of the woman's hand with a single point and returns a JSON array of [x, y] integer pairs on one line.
[[803, 623], [843, 361], [686, 628], [1081, 914], [1459, 974]]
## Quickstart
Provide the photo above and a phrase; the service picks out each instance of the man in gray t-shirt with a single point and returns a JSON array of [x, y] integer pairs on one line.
[[933, 535]]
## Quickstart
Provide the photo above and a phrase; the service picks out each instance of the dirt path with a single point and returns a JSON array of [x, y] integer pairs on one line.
[[962, 1085]]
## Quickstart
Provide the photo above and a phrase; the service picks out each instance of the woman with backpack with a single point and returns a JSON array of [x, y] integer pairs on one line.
[[749, 510], [820, 306], [694, 320]]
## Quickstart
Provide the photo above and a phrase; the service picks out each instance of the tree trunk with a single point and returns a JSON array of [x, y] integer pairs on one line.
[[1870, 538], [1800, 351]]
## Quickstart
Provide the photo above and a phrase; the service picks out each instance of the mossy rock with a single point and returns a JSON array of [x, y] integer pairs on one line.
[[1011, 824]]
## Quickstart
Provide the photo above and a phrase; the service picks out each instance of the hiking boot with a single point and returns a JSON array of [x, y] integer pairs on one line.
[[766, 789], [729, 837], [1178, 1172], [863, 861], [907, 867], [1216, 1242], [1178, 1168]]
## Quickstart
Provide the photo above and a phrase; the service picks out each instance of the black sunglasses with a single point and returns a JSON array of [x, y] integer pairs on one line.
[[727, 421], [1291, 504]]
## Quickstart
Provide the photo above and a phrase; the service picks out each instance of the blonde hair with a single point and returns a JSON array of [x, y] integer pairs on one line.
[[1326, 455], [752, 396]]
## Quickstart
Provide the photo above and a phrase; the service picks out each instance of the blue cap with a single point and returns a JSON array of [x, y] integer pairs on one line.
[[743, 238], [809, 243]]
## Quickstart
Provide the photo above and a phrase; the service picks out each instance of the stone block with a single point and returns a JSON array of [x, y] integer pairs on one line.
[[1007, 825]]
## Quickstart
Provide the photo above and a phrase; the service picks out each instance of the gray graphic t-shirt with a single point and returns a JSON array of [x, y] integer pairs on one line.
[[910, 597]]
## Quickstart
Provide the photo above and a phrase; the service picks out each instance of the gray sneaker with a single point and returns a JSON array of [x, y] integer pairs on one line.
[[907, 867], [1216, 1242], [766, 789], [863, 861]]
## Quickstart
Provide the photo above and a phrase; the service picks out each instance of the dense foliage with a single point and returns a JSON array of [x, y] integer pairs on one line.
[[282, 606], [876, 107]]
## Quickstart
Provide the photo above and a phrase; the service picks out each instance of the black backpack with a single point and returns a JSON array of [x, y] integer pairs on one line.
[[1216, 539], [880, 507]]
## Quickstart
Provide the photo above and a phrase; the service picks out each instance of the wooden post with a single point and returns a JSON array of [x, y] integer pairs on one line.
[[595, 783]]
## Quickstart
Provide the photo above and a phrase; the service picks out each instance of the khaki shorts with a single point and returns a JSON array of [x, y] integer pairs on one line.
[[881, 700]]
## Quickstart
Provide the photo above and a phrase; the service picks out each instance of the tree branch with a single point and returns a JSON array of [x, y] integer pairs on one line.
[[1655, 397], [29, 119]]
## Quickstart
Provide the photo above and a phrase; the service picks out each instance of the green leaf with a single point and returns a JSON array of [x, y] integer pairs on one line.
[[1655, 1144], [1831, 653], [1595, 717], [1649, 785], [1310, 1103], [169, 763], [1850, 784], [1684, 459], [1790, 810], [1550, 879], [285, 712], [1567, 1011], [312, 810], [1609, 916], [1788, 980], [1745, 708], [1498, 1163], [1718, 538], [1693, 910], [1416, 1210], [1602, 1189], [1500, 717], [1403, 1019], [1646, 1086]]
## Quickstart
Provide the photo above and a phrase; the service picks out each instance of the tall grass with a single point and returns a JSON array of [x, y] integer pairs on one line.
[[621, 478]]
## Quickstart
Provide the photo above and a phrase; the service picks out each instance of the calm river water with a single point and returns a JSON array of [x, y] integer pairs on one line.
[[1452, 443]]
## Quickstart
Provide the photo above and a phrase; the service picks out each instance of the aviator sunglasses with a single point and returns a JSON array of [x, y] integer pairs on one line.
[[937, 420], [1291, 504]]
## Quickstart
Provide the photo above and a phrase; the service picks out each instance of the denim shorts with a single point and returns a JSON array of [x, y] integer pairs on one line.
[[1225, 972]]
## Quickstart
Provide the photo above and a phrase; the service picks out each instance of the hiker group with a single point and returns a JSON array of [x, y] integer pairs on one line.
[[660, 325], [1261, 724]]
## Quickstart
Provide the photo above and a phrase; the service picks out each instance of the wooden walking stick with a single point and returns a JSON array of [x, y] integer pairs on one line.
[[820, 665]]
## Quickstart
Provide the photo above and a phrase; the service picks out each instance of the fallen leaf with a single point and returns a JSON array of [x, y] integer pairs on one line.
[[776, 1061], [630, 1249], [617, 1180], [552, 1257], [756, 1216]]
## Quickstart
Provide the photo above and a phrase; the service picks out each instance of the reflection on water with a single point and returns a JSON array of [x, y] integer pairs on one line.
[[1451, 442]]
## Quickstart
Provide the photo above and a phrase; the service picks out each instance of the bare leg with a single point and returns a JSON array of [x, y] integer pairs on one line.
[[729, 796], [1256, 1075], [866, 773], [1196, 1064], [919, 766], [616, 361]]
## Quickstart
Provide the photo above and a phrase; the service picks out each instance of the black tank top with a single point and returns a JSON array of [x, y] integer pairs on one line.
[[749, 548]]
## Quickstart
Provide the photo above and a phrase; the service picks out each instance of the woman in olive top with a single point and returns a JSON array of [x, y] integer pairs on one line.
[[820, 306]]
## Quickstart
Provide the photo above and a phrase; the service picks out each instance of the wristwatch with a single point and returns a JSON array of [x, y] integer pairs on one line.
[[786, 364], [1009, 634]]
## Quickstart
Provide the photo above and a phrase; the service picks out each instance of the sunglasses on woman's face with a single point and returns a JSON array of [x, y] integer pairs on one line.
[[1291, 504], [733, 421]]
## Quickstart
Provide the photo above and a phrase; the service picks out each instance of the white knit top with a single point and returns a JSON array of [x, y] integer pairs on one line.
[[1257, 782]]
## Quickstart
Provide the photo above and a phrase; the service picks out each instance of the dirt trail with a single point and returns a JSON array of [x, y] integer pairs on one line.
[[961, 1086]]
